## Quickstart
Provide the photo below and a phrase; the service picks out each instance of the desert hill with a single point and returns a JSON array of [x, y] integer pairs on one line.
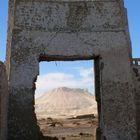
[[65, 102]]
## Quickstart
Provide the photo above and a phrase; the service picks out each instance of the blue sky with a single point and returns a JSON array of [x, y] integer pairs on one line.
[[74, 71]]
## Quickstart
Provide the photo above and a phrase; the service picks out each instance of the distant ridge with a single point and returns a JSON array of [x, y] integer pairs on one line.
[[65, 102]]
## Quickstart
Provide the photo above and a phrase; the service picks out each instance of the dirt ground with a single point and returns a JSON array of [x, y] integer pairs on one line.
[[80, 128]]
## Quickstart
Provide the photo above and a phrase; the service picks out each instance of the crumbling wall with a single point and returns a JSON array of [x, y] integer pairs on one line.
[[136, 78], [3, 102], [71, 30]]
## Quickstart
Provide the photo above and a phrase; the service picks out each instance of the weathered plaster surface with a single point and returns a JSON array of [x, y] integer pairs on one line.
[[64, 16], [3, 101], [70, 30]]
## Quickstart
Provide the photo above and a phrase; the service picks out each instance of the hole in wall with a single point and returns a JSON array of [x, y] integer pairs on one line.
[[136, 61], [65, 103]]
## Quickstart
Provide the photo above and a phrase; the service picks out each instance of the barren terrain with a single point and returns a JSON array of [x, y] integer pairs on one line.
[[69, 128], [68, 114]]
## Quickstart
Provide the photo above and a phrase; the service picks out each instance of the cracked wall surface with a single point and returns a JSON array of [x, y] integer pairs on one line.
[[3, 101], [70, 30]]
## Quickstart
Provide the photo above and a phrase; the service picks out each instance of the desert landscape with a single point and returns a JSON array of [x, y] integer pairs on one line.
[[67, 114]]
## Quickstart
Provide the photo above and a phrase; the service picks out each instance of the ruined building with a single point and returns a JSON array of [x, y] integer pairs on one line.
[[50, 30]]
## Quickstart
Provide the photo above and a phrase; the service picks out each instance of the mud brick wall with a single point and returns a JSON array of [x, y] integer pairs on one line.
[[50, 30], [3, 101], [136, 73]]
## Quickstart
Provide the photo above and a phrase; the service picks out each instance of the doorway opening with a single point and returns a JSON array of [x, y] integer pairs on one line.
[[65, 103]]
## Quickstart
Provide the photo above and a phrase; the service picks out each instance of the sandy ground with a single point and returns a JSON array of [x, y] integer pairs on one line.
[[83, 128]]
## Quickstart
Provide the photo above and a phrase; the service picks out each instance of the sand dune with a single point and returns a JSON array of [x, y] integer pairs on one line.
[[65, 102]]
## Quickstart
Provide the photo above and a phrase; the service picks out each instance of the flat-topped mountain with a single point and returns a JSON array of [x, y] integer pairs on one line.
[[65, 102]]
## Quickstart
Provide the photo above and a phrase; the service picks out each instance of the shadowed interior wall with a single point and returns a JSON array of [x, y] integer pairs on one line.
[[3, 101], [136, 73]]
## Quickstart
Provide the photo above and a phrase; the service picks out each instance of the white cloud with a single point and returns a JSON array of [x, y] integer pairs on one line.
[[53, 80], [50, 81], [86, 72]]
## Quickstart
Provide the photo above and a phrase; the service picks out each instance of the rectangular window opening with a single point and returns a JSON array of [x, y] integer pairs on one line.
[[65, 104]]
